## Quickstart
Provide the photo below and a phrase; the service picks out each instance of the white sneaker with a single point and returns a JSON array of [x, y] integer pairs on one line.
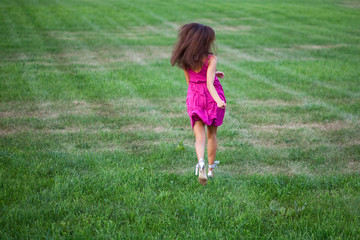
[[210, 172]]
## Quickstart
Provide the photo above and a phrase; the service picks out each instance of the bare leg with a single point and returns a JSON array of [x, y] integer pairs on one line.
[[200, 136], [212, 144], [199, 131]]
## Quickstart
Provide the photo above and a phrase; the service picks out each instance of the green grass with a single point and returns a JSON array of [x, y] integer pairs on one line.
[[95, 141]]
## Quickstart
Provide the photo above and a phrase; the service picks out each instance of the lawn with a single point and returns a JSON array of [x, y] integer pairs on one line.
[[95, 140]]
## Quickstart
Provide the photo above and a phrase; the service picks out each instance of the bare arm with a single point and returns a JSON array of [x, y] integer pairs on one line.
[[187, 76], [210, 77]]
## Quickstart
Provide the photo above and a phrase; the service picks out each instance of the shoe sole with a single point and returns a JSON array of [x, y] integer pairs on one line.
[[203, 181], [202, 178]]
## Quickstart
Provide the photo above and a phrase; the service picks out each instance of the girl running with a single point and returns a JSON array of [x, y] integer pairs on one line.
[[205, 97]]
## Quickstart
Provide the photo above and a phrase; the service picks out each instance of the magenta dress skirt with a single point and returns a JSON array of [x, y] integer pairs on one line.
[[200, 104]]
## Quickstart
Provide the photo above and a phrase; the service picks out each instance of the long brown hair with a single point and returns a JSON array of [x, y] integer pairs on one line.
[[195, 42]]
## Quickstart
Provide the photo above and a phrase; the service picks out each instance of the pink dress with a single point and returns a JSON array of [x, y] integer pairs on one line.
[[200, 104]]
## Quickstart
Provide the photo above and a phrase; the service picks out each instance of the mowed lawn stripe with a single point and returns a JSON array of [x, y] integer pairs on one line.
[[310, 21], [291, 31], [287, 86], [44, 85], [338, 86], [315, 87]]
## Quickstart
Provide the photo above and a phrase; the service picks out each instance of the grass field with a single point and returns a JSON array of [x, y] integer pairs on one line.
[[95, 141]]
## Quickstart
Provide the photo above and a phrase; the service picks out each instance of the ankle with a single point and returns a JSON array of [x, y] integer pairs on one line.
[[214, 165]]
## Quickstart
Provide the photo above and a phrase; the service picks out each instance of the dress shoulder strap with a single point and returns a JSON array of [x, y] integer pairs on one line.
[[207, 60]]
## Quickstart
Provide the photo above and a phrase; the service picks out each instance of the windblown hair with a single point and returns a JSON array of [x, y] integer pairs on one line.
[[195, 42]]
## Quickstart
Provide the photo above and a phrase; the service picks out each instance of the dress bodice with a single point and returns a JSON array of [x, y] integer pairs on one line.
[[200, 77]]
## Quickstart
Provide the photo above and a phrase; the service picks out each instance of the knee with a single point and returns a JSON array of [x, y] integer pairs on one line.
[[211, 136], [200, 140]]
